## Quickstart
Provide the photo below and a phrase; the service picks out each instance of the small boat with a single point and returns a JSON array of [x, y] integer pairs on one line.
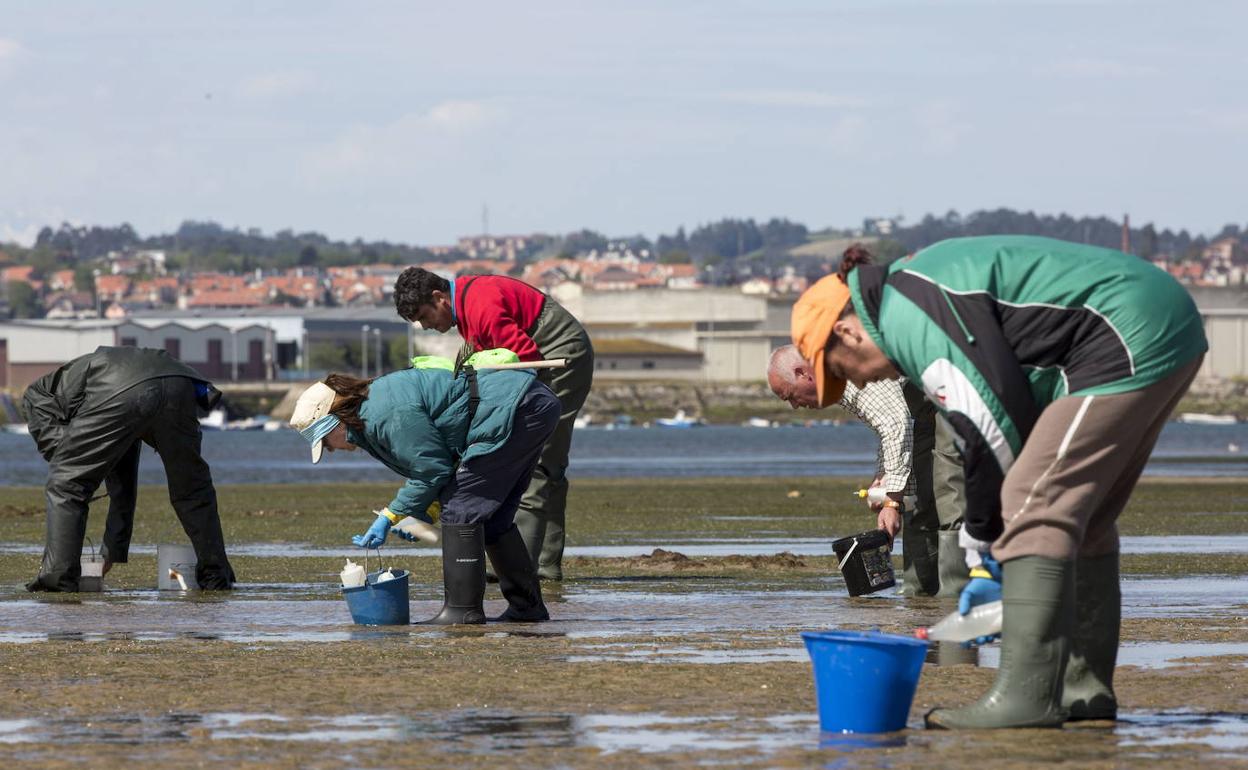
[[20, 428], [757, 422], [1200, 418], [216, 421], [582, 421], [681, 420]]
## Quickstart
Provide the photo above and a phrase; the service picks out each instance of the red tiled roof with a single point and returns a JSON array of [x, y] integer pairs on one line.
[[113, 285], [226, 298], [18, 273]]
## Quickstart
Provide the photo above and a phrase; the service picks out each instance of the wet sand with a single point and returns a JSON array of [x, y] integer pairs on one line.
[[663, 660]]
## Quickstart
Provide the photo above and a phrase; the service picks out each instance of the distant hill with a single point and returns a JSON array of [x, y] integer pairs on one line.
[[729, 248]]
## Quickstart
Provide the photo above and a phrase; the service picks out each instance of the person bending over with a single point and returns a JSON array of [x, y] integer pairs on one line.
[[89, 419], [1057, 364], [469, 441], [912, 456]]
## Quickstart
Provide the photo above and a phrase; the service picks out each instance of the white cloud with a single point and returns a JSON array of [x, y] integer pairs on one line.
[[941, 126], [413, 139], [273, 85], [22, 236], [789, 98], [1229, 119], [10, 48], [461, 115], [1099, 69], [10, 52]]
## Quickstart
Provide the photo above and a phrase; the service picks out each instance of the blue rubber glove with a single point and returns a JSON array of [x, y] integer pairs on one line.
[[982, 590], [376, 534], [978, 591]]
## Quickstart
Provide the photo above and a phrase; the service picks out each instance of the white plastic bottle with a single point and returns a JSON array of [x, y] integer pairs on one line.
[[352, 575], [387, 575], [982, 620], [874, 495]]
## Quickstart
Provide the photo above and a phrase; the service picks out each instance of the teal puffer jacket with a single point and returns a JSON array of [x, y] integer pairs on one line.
[[416, 423]]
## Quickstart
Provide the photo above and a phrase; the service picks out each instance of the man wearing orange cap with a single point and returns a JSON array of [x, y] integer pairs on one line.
[[1057, 364]]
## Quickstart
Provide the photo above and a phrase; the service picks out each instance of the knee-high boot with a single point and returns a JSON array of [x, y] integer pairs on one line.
[[1088, 691], [1038, 594], [517, 579], [463, 575]]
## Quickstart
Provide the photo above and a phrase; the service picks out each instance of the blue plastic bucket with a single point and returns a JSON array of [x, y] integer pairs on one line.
[[864, 681], [379, 604]]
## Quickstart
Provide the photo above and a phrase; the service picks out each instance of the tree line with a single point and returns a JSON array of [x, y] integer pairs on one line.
[[726, 247]]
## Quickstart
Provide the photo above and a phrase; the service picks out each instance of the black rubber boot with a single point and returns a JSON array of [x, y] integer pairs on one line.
[[1038, 594], [517, 580], [463, 575], [954, 574], [1088, 691]]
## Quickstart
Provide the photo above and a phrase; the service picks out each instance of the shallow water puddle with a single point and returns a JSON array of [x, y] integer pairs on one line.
[[629, 653], [719, 612], [1225, 732], [494, 731], [1150, 654], [470, 731]]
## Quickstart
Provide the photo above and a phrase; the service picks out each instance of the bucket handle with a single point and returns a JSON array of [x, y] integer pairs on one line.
[[91, 550], [850, 552], [366, 550]]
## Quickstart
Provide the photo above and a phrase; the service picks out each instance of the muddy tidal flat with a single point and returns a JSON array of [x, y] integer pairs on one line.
[[675, 642]]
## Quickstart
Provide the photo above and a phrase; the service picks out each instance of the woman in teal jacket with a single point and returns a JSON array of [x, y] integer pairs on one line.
[[468, 442], [1057, 364]]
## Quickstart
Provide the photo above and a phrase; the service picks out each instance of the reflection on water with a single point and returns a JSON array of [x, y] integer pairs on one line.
[[487, 731], [722, 615], [689, 546]]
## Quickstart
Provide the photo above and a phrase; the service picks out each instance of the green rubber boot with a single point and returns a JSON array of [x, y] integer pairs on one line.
[[1088, 691], [954, 574], [920, 572], [1038, 595]]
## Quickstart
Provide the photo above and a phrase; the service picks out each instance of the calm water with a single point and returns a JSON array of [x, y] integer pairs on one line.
[[243, 457]]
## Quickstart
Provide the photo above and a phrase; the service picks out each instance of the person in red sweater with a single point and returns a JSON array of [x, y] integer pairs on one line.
[[495, 311]]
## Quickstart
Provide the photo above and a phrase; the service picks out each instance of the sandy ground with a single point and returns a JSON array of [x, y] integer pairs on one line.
[[606, 685]]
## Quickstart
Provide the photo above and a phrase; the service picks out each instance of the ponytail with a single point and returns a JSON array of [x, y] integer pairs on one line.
[[853, 257]]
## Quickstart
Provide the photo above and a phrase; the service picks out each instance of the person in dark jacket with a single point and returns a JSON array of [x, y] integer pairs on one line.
[[469, 441], [495, 311], [89, 419]]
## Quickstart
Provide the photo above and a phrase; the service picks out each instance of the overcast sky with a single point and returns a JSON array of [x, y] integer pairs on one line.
[[400, 120]]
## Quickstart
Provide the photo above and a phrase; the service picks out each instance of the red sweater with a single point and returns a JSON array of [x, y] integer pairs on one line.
[[494, 311]]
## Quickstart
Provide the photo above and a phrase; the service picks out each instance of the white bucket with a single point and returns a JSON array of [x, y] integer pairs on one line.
[[179, 559], [92, 579]]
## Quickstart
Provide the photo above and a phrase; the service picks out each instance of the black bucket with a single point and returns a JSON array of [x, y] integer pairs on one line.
[[866, 562]]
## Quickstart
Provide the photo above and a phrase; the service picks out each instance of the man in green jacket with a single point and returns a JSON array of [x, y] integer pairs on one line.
[[469, 442], [89, 419], [1057, 364]]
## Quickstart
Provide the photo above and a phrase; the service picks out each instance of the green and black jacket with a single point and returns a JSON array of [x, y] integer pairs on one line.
[[995, 328]]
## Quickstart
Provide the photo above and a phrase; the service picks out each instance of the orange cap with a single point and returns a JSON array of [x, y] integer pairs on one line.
[[814, 314]]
